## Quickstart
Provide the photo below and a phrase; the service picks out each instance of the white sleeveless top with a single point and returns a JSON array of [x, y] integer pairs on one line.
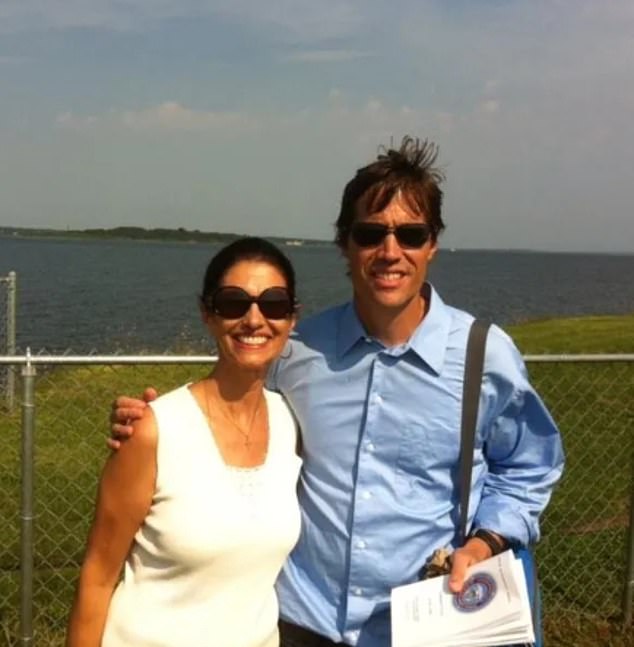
[[203, 564]]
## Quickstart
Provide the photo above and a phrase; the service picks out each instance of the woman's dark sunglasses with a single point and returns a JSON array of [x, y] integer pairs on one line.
[[233, 303], [371, 234]]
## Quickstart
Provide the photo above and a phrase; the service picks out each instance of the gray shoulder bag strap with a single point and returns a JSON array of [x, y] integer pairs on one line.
[[474, 364]]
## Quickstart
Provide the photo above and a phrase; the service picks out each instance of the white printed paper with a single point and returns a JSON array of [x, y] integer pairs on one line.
[[491, 609]]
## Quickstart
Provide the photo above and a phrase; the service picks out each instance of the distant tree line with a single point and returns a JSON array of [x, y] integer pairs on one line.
[[135, 233], [130, 233], [142, 233], [158, 233]]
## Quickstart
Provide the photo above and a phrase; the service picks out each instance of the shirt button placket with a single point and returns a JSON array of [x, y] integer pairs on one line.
[[359, 557]]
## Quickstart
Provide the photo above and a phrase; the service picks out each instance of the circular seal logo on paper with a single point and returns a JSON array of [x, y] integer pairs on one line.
[[477, 592]]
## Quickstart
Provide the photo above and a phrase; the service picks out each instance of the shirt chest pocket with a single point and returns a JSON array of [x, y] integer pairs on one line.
[[423, 450]]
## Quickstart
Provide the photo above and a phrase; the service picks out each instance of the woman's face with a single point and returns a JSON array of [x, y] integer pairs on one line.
[[251, 341]]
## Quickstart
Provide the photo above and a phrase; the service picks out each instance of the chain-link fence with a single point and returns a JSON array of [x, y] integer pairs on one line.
[[585, 556], [8, 285]]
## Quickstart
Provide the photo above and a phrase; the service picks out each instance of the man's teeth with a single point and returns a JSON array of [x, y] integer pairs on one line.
[[389, 276], [252, 340]]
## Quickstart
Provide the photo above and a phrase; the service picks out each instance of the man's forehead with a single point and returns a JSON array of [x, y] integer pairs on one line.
[[397, 210]]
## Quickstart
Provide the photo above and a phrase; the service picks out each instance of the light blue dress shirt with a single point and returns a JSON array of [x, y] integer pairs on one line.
[[381, 437]]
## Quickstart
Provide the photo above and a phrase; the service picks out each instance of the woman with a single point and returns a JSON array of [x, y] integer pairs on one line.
[[199, 507]]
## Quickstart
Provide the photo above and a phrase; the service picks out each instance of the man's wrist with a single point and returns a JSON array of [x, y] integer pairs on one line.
[[496, 543]]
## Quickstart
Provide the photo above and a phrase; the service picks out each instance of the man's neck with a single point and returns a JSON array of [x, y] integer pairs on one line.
[[392, 327]]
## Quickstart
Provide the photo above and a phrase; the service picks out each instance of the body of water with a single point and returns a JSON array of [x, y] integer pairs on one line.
[[83, 296]]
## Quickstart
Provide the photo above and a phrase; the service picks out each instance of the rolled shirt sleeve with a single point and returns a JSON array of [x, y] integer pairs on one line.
[[522, 447]]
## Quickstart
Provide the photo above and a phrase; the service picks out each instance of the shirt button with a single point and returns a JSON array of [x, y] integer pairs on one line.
[[353, 636], [370, 447], [366, 495], [361, 544], [378, 398], [357, 590]]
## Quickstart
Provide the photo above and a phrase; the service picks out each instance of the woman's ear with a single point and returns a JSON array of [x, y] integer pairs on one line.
[[204, 312]]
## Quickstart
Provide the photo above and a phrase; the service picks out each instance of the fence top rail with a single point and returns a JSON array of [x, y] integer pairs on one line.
[[205, 359], [581, 357], [106, 359]]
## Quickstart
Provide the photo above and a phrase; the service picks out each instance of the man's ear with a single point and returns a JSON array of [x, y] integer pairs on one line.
[[293, 323], [433, 249], [345, 253]]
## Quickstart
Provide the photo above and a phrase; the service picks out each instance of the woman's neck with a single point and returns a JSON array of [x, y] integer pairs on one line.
[[237, 386]]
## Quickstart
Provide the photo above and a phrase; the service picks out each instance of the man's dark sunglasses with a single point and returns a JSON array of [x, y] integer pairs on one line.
[[233, 303], [371, 234]]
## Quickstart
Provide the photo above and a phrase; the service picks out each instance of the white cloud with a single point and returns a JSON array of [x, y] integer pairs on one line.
[[167, 116], [338, 114], [302, 21], [490, 106], [374, 107], [299, 21], [27, 15], [75, 122], [326, 56], [446, 121], [174, 116]]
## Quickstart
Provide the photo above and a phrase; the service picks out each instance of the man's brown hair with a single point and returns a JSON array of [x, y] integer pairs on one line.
[[408, 171]]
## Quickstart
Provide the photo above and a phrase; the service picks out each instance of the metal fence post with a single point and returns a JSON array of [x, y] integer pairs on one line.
[[11, 328], [628, 589], [26, 516]]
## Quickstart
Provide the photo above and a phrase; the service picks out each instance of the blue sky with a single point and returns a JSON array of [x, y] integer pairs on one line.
[[250, 115]]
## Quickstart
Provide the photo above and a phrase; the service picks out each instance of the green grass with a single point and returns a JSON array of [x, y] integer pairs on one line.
[[605, 334], [581, 557]]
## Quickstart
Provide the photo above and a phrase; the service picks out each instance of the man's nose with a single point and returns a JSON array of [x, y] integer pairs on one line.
[[390, 249]]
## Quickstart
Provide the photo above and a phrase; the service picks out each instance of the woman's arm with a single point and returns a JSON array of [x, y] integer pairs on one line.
[[125, 495]]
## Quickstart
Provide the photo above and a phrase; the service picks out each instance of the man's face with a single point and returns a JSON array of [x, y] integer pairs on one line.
[[389, 276]]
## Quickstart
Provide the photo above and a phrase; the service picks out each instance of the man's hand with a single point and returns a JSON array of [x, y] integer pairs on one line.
[[124, 412], [474, 551]]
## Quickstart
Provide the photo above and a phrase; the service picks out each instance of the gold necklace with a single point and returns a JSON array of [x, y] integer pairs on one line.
[[226, 414]]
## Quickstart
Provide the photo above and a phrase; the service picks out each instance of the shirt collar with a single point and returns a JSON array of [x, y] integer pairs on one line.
[[429, 340], [351, 329], [431, 336]]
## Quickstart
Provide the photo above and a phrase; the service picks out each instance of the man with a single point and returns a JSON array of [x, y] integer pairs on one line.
[[376, 385]]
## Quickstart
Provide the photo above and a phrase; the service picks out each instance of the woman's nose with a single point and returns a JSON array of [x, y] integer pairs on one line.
[[254, 316]]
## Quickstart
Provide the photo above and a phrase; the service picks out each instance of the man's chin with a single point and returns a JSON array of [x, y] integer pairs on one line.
[[391, 300]]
